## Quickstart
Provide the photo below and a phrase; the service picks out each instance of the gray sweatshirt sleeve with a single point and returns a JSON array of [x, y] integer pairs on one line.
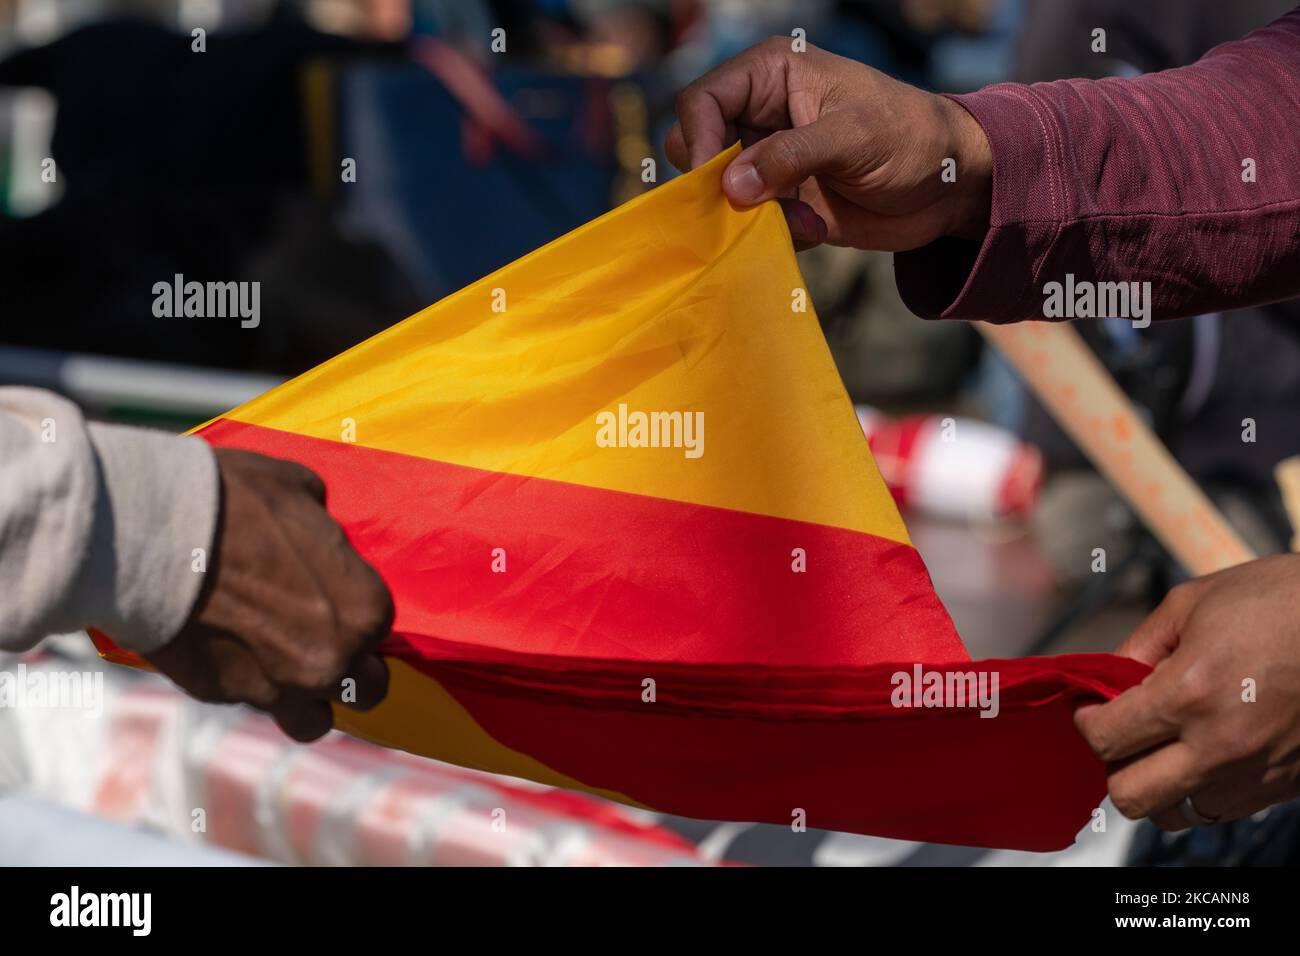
[[99, 524]]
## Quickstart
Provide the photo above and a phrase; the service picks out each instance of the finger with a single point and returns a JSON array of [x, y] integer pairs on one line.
[[301, 476], [777, 164], [378, 623], [1219, 802], [364, 601], [748, 89], [1131, 723], [675, 148], [677, 152], [214, 667], [304, 720], [1157, 781], [315, 485], [703, 126], [1170, 820], [807, 229], [1244, 797], [1157, 636], [371, 676], [241, 680]]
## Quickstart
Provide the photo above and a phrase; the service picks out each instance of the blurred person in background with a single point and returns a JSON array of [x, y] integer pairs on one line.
[[178, 161], [231, 168], [1119, 180]]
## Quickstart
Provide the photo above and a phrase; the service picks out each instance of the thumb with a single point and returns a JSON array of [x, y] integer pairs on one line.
[[777, 164], [1157, 637]]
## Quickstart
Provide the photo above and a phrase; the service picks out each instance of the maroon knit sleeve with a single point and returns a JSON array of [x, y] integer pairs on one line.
[[1134, 180]]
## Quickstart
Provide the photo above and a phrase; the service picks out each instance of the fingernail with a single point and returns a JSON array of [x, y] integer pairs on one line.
[[744, 183]]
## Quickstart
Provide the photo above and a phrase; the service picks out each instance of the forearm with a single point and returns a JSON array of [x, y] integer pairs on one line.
[[1134, 180], [98, 524]]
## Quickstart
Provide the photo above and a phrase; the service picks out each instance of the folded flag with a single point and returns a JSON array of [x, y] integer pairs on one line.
[[638, 546]]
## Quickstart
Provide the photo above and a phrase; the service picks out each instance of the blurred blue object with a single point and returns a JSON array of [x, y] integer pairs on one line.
[[446, 217], [36, 833], [962, 63]]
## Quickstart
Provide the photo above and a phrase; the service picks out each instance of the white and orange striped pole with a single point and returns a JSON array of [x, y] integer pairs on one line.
[[1084, 399]]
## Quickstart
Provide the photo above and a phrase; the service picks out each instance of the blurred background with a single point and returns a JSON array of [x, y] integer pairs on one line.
[[235, 165]]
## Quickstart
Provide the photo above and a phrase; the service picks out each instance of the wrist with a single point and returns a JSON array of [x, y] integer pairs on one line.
[[972, 200]]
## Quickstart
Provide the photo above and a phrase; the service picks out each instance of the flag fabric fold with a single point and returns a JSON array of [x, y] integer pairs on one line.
[[638, 546]]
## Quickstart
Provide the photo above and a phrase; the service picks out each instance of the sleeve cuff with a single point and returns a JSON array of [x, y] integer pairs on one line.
[[995, 280], [156, 509]]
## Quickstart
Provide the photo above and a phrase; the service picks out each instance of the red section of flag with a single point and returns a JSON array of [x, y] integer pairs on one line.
[[1024, 779], [592, 573]]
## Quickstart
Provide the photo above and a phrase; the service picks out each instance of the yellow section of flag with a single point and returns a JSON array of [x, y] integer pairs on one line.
[[619, 316]]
